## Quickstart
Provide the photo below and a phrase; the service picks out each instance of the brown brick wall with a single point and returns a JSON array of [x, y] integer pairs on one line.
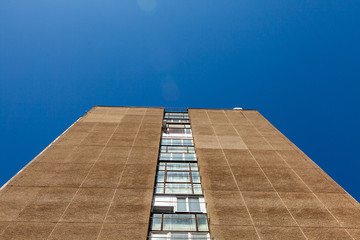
[[259, 185], [95, 182]]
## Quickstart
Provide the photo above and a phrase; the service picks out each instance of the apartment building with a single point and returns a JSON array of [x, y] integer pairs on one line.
[[156, 173]]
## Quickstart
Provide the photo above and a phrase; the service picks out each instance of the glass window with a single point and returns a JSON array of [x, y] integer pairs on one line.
[[188, 204], [181, 204], [177, 149], [197, 189], [177, 166], [177, 120], [162, 166], [178, 131], [158, 236], [194, 167], [177, 115], [177, 142], [159, 188], [202, 222], [177, 157], [156, 222], [188, 142], [191, 149], [194, 205], [179, 222], [178, 188], [200, 236], [178, 177], [160, 176], [179, 126], [174, 166], [179, 236], [195, 177]]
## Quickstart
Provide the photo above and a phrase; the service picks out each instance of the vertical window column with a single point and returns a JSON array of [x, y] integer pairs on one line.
[[178, 208]]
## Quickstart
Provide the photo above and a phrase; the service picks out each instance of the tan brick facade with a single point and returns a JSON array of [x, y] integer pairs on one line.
[[96, 181], [258, 185]]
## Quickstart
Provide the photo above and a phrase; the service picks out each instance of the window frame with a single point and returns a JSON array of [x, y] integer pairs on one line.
[[182, 149], [196, 219], [185, 157], [168, 235], [162, 183], [174, 141], [176, 115]]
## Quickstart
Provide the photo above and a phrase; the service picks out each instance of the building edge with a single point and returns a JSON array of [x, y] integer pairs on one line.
[[37, 156], [306, 157]]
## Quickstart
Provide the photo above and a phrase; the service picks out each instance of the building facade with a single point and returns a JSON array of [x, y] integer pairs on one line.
[[154, 173]]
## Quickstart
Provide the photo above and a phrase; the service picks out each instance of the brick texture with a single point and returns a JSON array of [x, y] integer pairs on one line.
[[259, 185], [94, 182]]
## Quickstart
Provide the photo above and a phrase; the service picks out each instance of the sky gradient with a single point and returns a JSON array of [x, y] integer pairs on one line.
[[297, 62]]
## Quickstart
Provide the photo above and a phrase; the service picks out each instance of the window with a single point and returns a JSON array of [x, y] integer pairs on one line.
[[178, 166], [178, 131], [188, 204], [179, 236], [179, 204], [178, 178], [179, 222], [178, 209], [202, 222], [177, 142], [177, 149], [176, 120], [200, 236], [177, 157], [178, 126], [178, 188], [177, 115], [175, 236]]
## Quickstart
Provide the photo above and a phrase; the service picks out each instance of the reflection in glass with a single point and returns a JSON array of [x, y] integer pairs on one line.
[[179, 236], [181, 204], [202, 222], [197, 189], [162, 166], [156, 222], [198, 236], [194, 205], [178, 177], [174, 188], [179, 222], [178, 166], [160, 176], [159, 188]]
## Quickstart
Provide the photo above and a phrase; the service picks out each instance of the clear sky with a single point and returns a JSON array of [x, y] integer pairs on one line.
[[297, 62]]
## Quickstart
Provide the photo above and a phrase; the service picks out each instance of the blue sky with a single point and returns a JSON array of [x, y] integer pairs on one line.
[[297, 62]]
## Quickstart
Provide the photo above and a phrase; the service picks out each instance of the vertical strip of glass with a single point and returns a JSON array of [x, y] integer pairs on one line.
[[178, 209]]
